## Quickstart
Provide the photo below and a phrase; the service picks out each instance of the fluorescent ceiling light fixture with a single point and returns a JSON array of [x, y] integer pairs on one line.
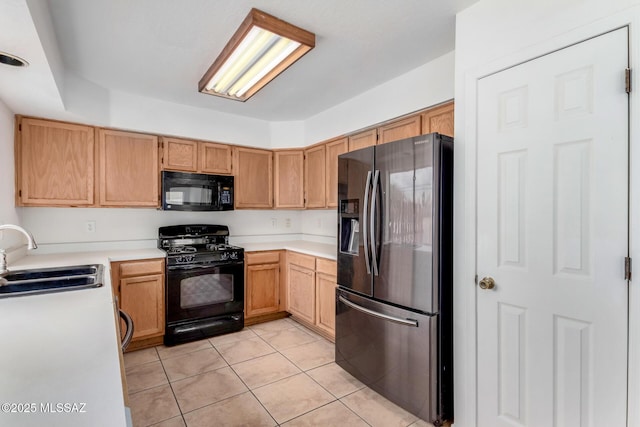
[[262, 48]]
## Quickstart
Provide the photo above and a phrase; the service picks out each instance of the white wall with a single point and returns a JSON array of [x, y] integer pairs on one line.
[[427, 85], [492, 35], [139, 227], [8, 213]]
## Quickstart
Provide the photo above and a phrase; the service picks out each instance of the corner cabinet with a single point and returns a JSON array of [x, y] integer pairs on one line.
[[288, 179], [253, 171], [333, 150], [314, 176], [55, 163], [139, 286], [129, 174]]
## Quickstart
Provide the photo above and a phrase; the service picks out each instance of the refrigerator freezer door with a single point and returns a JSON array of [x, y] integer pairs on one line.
[[396, 359], [404, 224], [354, 189]]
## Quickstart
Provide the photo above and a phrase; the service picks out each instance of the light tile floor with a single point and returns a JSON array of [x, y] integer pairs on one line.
[[271, 374]]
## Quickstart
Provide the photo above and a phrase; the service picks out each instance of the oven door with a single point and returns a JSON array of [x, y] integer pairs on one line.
[[201, 291]]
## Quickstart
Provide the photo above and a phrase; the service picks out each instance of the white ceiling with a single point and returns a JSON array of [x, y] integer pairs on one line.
[[161, 48]]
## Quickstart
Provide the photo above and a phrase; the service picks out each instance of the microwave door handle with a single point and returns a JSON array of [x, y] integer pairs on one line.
[[364, 223], [374, 198]]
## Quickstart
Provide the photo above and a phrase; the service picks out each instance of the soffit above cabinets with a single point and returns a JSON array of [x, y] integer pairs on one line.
[[161, 48]]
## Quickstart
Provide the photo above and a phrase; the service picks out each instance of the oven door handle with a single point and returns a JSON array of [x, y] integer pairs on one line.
[[202, 267]]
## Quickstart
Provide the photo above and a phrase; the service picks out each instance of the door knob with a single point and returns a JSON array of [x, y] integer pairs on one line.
[[487, 283]]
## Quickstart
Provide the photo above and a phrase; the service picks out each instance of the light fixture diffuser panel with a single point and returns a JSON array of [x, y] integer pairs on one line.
[[262, 48]]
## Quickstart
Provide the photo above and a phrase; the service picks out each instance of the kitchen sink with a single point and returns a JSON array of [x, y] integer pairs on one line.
[[48, 280]]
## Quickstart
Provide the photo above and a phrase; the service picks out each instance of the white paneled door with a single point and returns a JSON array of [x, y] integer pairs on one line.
[[552, 202]]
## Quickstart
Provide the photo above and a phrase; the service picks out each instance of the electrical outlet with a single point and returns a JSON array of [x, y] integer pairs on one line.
[[287, 222], [90, 226], [274, 223]]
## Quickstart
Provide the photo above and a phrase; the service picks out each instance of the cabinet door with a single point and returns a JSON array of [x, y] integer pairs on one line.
[[143, 299], [180, 154], [253, 170], [301, 292], [438, 119], [363, 139], [288, 179], [400, 129], [334, 149], [263, 289], [128, 169], [326, 302], [55, 164], [215, 158], [315, 170]]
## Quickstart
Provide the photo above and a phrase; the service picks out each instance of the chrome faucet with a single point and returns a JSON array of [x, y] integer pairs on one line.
[[31, 244]]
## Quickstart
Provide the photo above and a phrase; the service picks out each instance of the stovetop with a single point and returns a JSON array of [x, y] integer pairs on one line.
[[198, 243]]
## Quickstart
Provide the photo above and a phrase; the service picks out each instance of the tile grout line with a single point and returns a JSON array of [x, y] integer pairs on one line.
[[172, 391]]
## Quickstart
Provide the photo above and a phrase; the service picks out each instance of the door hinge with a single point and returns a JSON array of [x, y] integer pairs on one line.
[[20, 127], [627, 268], [475, 279], [627, 80]]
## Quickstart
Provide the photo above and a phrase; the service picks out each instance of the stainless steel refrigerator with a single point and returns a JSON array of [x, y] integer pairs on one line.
[[394, 323]]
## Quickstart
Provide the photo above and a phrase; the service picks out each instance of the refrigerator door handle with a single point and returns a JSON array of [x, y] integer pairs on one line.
[[374, 198], [364, 223], [406, 322]]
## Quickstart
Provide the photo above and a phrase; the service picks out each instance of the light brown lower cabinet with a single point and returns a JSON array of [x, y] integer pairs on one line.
[[326, 280], [262, 283], [139, 286], [311, 284]]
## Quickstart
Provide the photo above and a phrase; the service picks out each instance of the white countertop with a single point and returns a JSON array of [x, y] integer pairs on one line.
[[62, 348], [322, 250]]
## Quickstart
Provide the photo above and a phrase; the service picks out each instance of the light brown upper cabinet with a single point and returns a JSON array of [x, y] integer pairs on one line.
[[253, 171], [195, 156], [288, 179], [400, 129], [314, 177], [215, 158], [55, 163], [180, 154], [128, 169], [334, 149], [439, 119], [363, 139]]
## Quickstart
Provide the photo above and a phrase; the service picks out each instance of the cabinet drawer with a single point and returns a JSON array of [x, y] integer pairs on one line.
[[306, 261], [326, 266], [142, 268], [262, 257]]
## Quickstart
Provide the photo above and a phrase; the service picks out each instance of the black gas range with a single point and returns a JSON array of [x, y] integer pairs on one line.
[[204, 282]]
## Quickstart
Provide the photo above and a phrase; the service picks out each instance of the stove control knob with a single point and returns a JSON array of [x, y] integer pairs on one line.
[[234, 255], [224, 256], [189, 258], [180, 259]]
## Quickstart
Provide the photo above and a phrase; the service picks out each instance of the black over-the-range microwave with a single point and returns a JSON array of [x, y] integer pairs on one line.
[[184, 191]]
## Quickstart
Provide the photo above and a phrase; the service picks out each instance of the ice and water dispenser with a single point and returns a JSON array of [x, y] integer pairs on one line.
[[349, 226]]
